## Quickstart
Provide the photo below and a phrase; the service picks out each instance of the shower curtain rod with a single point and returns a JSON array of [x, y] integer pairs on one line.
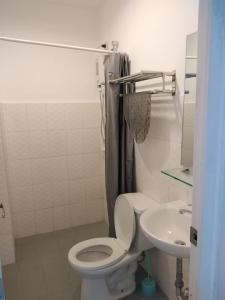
[[72, 47]]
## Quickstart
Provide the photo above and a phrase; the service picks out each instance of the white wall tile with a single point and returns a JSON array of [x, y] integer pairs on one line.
[[42, 196], [7, 252], [77, 214], [77, 191], [75, 115], [20, 172], [156, 153], [95, 211], [58, 168], [158, 187], [94, 189], [3, 181], [93, 165], [17, 145], [24, 223], [60, 193], [176, 190], [56, 116], [76, 167], [15, 117], [22, 199], [44, 220], [92, 115], [165, 124], [61, 217], [5, 223], [57, 143], [38, 144], [55, 167], [40, 170], [75, 142], [91, 140], [2, 154], [7, 248], [37, 116]]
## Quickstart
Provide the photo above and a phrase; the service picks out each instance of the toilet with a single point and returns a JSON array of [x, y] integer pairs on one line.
[[108, 265]]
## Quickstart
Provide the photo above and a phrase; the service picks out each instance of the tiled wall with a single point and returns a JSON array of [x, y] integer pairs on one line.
[[7, 254], [55, 165], [160, 151]]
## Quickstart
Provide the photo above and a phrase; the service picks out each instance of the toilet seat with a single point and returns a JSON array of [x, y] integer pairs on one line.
[[96, 253]]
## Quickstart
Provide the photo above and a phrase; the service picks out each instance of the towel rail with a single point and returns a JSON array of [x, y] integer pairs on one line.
[[148, 75]]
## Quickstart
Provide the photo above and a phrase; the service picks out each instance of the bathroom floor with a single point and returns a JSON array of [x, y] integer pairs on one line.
[[42, 271]]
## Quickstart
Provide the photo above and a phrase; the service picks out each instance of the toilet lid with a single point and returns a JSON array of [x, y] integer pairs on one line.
[[125, 224]]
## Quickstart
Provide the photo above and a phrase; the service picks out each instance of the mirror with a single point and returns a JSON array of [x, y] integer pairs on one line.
[[189, 101], [184, 174]]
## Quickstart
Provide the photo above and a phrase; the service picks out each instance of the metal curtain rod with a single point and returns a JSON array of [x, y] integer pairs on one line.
[[22, 41]]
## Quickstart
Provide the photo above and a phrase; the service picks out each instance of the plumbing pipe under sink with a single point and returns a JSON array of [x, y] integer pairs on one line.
[[179, 283]]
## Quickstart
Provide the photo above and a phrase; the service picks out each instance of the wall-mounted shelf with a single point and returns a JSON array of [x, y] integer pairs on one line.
[[190, 75], [184, 175], [191, 57]]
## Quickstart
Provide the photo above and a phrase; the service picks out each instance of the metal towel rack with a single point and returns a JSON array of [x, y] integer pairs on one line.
[[147, 75]]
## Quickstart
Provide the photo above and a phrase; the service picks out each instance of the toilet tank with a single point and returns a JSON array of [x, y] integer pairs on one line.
[[140, 203]]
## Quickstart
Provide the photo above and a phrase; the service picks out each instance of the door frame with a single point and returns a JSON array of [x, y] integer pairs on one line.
[[208, 258]]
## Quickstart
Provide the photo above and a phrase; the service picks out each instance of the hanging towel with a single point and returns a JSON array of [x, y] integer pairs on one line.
[[137, 111]]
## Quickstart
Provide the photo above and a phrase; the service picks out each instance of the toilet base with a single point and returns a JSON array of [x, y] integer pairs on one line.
[[117, 285], [98, 290]]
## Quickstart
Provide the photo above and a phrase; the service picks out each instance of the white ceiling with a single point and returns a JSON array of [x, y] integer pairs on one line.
[[89, 4]]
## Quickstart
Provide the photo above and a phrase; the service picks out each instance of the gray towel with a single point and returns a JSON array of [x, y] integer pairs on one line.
[[137, 110]]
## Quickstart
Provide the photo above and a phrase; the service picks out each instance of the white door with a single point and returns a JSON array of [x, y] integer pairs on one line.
[[207, 274]]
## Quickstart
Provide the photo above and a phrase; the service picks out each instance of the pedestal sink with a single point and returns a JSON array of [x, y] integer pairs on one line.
[[168, 229]]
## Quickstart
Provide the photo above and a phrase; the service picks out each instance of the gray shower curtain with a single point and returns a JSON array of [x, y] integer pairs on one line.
[[119, 156]]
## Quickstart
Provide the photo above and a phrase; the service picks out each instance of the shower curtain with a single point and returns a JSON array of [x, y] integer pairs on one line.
[[119, 148]]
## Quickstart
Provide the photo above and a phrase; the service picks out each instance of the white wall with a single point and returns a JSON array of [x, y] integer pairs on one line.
[[154, 33], [7, 253], [53, 155], [35, 73]]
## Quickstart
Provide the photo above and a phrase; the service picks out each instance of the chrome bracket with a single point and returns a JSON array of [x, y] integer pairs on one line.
[[194, 236], [3, 210]]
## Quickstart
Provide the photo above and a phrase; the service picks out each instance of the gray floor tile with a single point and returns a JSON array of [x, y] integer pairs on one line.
[[42, 271], [138, 296], [11, 286], [56, 276], [32, 282]]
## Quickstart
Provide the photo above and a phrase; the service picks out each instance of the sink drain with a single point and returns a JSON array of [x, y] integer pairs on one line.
[[179, 242]]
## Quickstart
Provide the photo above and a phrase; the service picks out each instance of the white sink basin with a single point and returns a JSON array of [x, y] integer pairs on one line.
[[168, 230]]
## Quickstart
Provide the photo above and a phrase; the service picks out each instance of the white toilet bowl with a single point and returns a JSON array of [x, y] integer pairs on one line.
[[108, 273], [108, 265], [95, 254]]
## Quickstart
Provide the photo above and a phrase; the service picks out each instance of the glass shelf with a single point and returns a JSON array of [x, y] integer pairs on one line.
[[184, 175]]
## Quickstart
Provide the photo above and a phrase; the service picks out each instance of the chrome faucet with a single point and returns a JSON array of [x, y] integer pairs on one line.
[[184, 211]]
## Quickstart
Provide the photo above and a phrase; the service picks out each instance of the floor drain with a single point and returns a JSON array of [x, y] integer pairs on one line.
[[179, 242]]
